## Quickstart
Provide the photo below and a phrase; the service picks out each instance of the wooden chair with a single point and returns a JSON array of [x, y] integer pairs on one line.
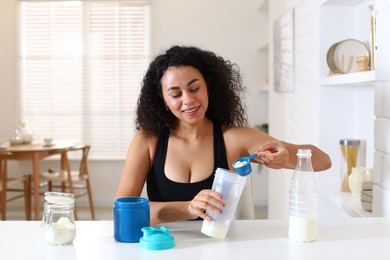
[[76, 180], [12, 185]]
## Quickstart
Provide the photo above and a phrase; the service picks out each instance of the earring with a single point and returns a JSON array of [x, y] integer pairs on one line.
[[167, 108]]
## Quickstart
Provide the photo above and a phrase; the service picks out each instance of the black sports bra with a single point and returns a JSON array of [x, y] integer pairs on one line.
[[160, 188]]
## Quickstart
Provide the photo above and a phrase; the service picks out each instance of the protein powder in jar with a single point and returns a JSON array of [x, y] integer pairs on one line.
[[58, 218]]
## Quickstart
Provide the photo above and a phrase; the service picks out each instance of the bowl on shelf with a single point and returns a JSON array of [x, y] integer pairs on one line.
[[366, 205]]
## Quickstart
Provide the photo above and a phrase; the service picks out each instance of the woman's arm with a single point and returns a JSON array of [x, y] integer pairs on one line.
[[273, 153], [136, 168], [319, 159]]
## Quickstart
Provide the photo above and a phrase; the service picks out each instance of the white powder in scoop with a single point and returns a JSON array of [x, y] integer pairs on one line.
[[61, 232], [239, 164]]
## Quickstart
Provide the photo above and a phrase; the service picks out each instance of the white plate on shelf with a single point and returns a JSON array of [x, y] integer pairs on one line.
[[343, 56], [329, 57]]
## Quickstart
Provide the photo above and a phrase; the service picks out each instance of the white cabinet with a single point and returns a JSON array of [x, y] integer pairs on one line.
[[342, 106], [354, 105], [347, 101]]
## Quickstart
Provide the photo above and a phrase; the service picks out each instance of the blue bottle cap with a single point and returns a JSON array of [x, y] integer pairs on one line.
[[156, 238]]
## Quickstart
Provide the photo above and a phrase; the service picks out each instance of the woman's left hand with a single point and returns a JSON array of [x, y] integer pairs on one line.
[[273, 154], [205, 200]]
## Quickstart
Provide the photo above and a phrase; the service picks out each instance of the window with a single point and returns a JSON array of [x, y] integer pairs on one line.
[[81, 65]]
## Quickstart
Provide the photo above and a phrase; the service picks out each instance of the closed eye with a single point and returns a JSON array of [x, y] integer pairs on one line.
[[176, 95], [194, 89]]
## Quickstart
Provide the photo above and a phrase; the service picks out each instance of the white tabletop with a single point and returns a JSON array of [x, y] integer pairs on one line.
[[355, 238]]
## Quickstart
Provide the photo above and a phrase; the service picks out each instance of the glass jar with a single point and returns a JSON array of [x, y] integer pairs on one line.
[[349, 159], [58, 218]]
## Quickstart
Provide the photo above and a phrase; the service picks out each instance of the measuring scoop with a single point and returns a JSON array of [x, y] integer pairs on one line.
[[242, 165]]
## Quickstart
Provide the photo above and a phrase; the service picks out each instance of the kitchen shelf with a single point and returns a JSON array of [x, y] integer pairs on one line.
[[357, 78], [345, 201]]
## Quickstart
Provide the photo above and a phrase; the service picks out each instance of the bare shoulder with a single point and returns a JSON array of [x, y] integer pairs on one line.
[[143, 143], [140, 154], [242, 141], [141, 136], [243, 133], [234, 130]]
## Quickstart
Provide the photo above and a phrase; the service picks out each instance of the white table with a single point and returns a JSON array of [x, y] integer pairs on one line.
[[355, 238]]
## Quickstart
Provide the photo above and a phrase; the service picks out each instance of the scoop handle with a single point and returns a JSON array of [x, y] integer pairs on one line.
[[252, 156]]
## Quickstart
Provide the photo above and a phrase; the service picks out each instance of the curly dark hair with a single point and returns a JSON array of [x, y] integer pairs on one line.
[[224, 87]]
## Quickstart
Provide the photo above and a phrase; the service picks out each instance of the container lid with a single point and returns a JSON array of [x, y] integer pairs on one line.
[[131, 202], [347, 142], [156, 238], [59, 198]]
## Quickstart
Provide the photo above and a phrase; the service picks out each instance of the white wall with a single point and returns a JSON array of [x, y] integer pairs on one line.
[[231, 28], [381, 199], [294, 116], [7, 70]]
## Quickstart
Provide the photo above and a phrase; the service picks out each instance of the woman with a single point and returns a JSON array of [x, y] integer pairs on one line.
[[190, 121]]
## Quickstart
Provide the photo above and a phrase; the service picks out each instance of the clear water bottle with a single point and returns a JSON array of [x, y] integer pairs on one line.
[[303, 200]]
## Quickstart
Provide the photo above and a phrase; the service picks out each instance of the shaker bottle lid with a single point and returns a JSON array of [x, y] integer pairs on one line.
[[346, 142], [156, 238]]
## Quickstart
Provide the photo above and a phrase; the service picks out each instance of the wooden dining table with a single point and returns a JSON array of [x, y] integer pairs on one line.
[[35, 152]]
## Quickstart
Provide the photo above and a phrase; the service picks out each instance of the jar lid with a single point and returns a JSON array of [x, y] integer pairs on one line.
[[156, 238], [131, 202], [59, 198], [347, 142]]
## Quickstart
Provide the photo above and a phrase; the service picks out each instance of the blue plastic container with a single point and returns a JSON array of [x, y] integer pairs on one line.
[[131, 214]]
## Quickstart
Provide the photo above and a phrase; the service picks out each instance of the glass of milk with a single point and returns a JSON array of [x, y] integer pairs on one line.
[[230, 185]]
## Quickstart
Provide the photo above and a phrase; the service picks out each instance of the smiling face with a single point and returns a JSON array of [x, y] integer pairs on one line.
[[185, 93]]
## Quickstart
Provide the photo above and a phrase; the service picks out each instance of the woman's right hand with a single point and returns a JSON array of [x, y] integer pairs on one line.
[[205, 200], [273, 154]]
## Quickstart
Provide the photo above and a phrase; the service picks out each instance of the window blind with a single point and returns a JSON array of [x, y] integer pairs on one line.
[[81, 65]]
